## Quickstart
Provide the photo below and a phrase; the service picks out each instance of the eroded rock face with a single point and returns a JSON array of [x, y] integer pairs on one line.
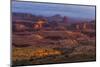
[[50, 39], [27, 40], [70, 42], [36, 36]]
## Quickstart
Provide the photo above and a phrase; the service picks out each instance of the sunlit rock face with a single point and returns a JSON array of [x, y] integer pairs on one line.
[[39, 23]]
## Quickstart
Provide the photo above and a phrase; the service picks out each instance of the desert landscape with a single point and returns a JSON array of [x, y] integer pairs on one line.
[[40, 39]]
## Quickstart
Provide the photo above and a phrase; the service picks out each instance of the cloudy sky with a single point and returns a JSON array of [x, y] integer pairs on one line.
[[76, 11]]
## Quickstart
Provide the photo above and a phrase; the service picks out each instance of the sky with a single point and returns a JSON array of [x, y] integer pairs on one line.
[[50, 9]]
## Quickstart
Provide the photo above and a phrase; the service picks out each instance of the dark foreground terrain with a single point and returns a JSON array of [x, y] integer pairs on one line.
[[43, 47]]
